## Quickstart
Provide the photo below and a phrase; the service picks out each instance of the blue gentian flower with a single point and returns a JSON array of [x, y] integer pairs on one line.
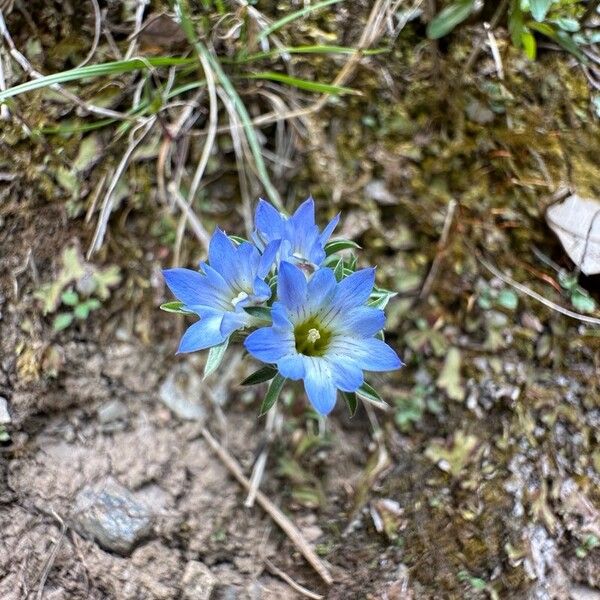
[[323, 333], [302, 242], [219, 292]]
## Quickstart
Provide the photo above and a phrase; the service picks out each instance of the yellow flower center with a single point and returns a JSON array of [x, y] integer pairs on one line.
[[311, 338]]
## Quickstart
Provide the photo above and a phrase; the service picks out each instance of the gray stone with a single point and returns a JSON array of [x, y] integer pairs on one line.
[[225, 592], [181, 392], [378, 191], [198, 581], [111, 411], [4, 414], [112, 517], [479, 113]]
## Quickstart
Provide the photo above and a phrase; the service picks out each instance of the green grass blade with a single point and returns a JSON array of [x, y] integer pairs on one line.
[[304, 84], [293, 16], [322, 49], [99, 70], [237, 102]]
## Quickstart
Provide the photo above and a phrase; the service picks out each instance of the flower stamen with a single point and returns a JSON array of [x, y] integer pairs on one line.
[[239, 298], [313, 335]]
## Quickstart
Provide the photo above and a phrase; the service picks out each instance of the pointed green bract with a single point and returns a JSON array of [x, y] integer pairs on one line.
[[265, 374], [272, 394], [351, 401], [215, 358]]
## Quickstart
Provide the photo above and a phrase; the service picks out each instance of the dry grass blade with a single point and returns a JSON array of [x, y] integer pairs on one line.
[[197, 227], [274, 512], [213, 121], [97, 31], [437, 261], [107, 204], [529, 292], [28, 68], [243, 157], [139, 16], [172, 134]]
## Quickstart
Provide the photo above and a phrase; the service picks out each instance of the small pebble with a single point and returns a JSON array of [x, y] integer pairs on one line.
[[4, 414], [112, 517]]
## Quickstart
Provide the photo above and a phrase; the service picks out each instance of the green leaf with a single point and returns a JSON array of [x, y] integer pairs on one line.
[[450, 379], [175, 307], [215, 357], [516, 26], [539, 9], [82, 311], [338, 271], [352, 263], [69, 298], [293, 16], [62, 321], [264, 374], [339, 245], [237, 239], [582, 301], [446, 20], [368, 392], [259, 312], [105, 279], [272, 394], [99, 70], [93, 303], [508, 299], [567, 24], [562, 38], [381, 302], [351, 401], [529, 44], [303, 84]]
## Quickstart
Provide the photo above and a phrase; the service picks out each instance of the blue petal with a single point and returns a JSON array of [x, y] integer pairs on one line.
[[319, 385], [326, 234], [245, 266], [291, 286], [233, 321], [292, 366], [279, 316], [268, 220], [269, 345], [221, 254], [304, 217], [347, 375], [191, 288], [369, 354], [201, 335], [321, 288], [268, 258], [361, 321], [316, 252], [262, 292], [217, 285], [355, 289]]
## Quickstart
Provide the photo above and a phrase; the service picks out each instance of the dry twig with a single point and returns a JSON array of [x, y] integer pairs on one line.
[[293, 584], [273, 511], [529, 292], [437, 261]]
